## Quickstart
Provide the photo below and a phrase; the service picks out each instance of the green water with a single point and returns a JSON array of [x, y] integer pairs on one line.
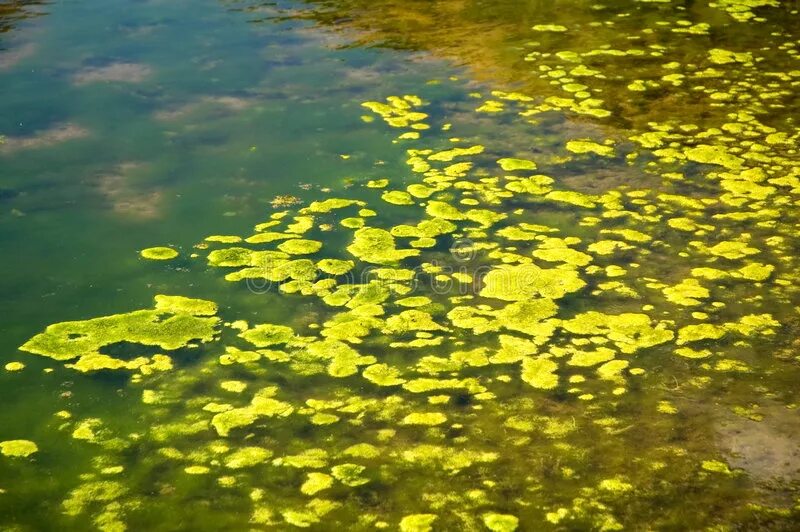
[[602, 334]]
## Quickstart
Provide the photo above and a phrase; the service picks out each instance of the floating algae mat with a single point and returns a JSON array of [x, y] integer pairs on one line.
[[553, 289]]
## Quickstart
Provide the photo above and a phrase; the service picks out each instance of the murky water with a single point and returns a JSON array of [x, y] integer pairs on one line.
[[401, 265]]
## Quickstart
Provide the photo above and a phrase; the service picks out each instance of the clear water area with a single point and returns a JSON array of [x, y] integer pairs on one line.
[[158, 124]]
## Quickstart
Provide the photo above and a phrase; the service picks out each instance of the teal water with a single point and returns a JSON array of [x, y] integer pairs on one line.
[[128, 126]]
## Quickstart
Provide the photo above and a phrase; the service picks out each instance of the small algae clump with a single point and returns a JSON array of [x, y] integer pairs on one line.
[[377, 246], [687, 293], [703, 331], [100, 491], [300, 246], [557, 28], [417, 523], [175, 322], [717, 155], [715, 466], [424, 418], [159, 253], [383, 375], [509, 165], [262, 405], [267, 334], [629, 331], [316, 482], [349, 474], [732, 250], [397, 197], [335, 266], [588, 146], [14, 366], [247, 457], [500, 522], [18, 448], [331, 204], [520, 283], [412, 320], [540, 373]]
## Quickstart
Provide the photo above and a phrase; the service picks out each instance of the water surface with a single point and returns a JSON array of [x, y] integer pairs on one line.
[[593, 326]]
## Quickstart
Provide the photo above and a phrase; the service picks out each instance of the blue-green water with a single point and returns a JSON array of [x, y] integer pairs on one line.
[[603, 334]]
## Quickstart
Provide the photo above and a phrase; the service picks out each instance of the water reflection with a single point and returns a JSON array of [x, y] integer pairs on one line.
[[14, 12]]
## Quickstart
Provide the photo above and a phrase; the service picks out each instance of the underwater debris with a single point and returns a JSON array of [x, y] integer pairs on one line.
[[285, 200]]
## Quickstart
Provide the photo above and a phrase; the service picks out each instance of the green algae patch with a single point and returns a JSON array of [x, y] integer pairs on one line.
[[349, 474], [159, 253], [362, 450], [383, 375], [715, 466], [731, 250], [316, 482], [300, 246], [500, 522], [262, 405], [444, 211], [510, 165], [14, 366], [377, 183], [591, 358], [185, 305], [397, 197], [417, 523], [573, 198], [18, 448], [687, 352], [449, 155], [342, 359], [540, 373], [429, 419], [331, 204], [629, 331], [414, 301], [716, 155], [687, 293], [267, 334], [703, 331], [377, 246], [335, 266], [523, 282], [412, 320], [174, 323], [557, 28], [247, 457], [587, 146]]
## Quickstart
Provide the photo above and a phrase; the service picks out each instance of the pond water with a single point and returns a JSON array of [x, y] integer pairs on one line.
[[460, 265]]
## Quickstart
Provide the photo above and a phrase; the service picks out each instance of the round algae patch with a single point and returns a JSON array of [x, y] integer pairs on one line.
[[159, 253], [18, 448], [15, 366]]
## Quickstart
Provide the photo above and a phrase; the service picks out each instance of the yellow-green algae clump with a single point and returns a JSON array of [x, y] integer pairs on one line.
[[159, 253], [377, 246], [18, 448], [175, 322], [520, 283]]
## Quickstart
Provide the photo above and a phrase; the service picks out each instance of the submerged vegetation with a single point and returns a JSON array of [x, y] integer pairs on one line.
[[501, 339]]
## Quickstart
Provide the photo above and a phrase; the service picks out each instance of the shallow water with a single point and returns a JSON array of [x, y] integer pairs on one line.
[[593, 328]]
